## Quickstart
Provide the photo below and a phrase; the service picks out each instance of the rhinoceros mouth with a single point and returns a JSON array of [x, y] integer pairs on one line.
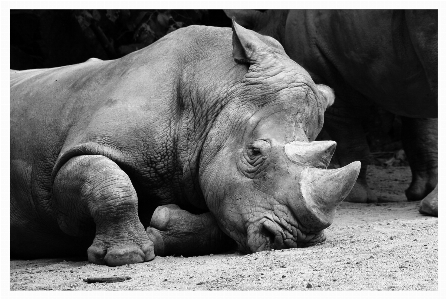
[[282, 237], [273, 234]]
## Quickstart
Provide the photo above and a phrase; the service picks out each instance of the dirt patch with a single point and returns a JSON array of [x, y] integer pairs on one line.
[[383, 246]]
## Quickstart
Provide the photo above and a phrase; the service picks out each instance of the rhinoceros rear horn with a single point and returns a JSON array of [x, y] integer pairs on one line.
[[313, 154], [324, 189]]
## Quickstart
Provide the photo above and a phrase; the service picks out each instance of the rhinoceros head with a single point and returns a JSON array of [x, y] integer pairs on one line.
[[263, 176]]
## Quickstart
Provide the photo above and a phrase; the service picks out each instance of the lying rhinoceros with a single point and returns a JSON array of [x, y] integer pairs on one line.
[[206, 134], [383, 57]]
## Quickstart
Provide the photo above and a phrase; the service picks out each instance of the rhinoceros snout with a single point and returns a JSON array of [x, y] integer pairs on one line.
[[274, 235], [318, 192], [321, 189], [324, 189]]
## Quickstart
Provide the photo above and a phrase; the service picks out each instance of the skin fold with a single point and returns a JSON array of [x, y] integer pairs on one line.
[[387, 58], [209, 148]]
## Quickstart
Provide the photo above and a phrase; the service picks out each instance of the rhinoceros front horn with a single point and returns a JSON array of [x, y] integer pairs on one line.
[[324, 189]]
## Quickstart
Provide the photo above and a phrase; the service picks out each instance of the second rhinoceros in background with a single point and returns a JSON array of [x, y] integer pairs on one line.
[[369, 57], [204, 137]]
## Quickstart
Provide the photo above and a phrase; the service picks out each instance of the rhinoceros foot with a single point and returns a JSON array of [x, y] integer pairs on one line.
[[420, 188], [110, 248], [429, 205], [361, 193], [176, 231]]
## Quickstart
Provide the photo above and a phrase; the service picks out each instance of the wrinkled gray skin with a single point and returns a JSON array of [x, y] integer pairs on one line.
[[369, 57], [195, 143]]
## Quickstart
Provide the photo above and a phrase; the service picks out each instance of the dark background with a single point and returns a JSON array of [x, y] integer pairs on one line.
[[51, 38]]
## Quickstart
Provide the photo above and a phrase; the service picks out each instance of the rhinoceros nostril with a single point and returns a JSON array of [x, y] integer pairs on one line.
[[268, 233]]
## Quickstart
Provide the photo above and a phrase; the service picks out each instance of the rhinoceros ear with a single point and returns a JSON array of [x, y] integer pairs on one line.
[[327, 94], [245, 17], [246, 46]]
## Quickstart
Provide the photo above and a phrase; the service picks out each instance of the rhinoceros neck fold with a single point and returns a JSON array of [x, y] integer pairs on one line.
[[200, 110]]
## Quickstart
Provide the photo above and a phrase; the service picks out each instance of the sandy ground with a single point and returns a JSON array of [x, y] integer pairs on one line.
[[384, 246]]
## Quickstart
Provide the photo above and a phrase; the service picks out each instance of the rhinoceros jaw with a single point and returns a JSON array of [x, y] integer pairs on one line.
[[313, 154], [324, 189]]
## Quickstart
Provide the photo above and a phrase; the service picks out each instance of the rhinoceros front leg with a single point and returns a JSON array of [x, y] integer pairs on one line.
[[344, 126], [420, 142], [92, 194], [176, 231]]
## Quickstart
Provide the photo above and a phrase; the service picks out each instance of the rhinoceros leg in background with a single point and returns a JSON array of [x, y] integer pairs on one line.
[[420, 142], [429, 204], [92, 190], [176, 231], [344, 125]]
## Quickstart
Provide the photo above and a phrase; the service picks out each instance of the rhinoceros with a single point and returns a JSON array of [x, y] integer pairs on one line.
[[204, 138], [369, 57]]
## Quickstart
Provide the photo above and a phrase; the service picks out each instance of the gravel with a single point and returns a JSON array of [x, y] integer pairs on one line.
[[383, 246]]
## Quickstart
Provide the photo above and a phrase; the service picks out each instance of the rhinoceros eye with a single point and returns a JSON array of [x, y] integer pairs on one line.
[[253, 151], [257, 151]]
